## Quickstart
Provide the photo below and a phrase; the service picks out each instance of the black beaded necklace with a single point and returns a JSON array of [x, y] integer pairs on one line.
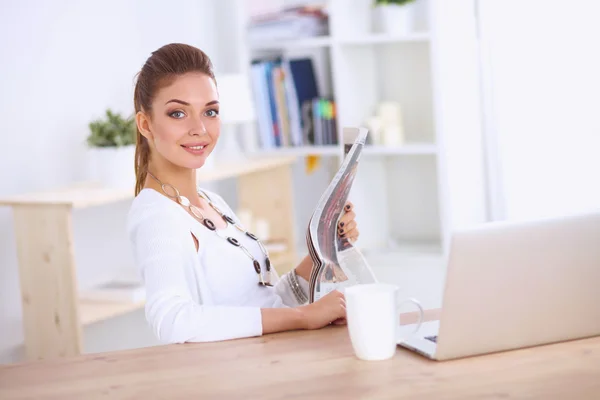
[[172, 192]]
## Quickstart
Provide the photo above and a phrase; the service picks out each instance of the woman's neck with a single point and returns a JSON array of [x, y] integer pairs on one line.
[[182, 179]]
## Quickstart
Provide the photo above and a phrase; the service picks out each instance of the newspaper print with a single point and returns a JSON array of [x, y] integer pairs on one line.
[[337, 263]]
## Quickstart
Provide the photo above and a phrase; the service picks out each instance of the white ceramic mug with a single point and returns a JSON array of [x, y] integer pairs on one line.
[[373, 316]]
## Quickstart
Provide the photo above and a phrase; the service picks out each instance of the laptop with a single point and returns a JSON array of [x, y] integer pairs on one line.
[[511, 285]]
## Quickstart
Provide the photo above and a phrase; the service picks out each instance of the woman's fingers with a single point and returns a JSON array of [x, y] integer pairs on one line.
[[350, 232], [347, 229], [346, 218], [351, 235], [347, 224], [346, 221], [348, 206]]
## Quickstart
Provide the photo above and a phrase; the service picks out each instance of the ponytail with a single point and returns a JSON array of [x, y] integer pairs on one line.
[[142, 158]]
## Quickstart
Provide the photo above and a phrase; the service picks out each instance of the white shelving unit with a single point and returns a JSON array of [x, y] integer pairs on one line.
[[398, 191]]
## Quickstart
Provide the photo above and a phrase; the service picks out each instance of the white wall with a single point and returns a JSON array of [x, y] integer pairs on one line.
[[458, 113], [63, 63], [543, 93]]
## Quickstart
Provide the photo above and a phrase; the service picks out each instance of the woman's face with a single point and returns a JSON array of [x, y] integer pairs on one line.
[[184, 126]]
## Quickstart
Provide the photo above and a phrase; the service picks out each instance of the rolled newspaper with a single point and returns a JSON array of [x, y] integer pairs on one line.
[[336, 262]]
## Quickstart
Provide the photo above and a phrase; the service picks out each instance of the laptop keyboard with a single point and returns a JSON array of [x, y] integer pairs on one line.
[[432, 338]]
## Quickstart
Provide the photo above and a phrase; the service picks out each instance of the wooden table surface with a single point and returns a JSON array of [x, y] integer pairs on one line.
[[307, 364]]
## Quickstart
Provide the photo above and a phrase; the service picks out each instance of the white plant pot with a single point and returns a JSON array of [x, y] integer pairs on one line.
[[112, 167], [394, 19]]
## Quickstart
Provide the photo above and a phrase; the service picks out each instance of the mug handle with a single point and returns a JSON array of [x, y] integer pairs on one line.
[[421, 315]]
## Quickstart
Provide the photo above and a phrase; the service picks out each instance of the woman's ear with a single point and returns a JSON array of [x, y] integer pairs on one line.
[[143, 124]]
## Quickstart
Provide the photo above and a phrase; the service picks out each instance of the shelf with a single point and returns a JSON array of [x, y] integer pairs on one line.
[[89, 194], [408, 149], [330, 150], [383, 39], [245, 167], [416, 149], [326, 41], [78, 196], [310, 42], [95, 311]]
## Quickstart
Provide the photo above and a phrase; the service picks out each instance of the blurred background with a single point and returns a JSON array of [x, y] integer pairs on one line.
[[477, 110]]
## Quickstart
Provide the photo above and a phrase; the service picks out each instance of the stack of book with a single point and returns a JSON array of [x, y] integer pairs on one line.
[[289, 108], [287, 23]]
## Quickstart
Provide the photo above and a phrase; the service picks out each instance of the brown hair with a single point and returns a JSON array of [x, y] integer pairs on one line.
[[160, 69]]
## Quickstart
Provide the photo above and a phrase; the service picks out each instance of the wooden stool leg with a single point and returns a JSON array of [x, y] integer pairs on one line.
[[48, 281]]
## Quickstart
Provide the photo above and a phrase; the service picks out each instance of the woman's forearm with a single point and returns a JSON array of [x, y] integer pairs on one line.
[[282, 319], [305, 268]]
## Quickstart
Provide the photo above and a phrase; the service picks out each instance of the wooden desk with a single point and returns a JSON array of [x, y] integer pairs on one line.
[[313, 365]]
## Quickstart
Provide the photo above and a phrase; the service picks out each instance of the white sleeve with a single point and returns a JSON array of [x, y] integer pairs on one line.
[[285, 291], [175, 317]]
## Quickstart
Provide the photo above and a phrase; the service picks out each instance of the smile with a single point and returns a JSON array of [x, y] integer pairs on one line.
[[195, 148]]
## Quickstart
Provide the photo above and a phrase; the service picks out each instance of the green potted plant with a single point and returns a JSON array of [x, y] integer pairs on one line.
[[111, 144], [395, 17]]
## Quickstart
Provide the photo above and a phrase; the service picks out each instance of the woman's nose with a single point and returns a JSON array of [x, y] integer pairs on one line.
[[198, 128]]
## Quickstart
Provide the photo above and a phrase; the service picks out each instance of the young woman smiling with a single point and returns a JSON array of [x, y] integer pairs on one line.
[[206, 277]]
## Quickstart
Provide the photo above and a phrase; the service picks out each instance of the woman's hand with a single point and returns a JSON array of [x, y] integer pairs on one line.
[[347, 225], [330, 308], [346, 229]]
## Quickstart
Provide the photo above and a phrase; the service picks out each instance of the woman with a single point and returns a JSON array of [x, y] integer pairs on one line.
[[206, 278]]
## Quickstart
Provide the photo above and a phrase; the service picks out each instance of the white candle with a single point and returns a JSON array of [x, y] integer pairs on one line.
[[393, 136]]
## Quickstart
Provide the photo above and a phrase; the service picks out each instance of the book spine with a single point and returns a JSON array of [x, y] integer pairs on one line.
[[290, 110]]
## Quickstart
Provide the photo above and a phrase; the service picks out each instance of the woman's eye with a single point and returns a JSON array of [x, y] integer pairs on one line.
[[212, 113], [177, 114]]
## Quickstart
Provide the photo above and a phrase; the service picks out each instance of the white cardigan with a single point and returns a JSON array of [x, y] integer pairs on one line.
[[206, 295]]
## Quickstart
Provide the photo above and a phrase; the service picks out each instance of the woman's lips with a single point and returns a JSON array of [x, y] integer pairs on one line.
[[194, 149]]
